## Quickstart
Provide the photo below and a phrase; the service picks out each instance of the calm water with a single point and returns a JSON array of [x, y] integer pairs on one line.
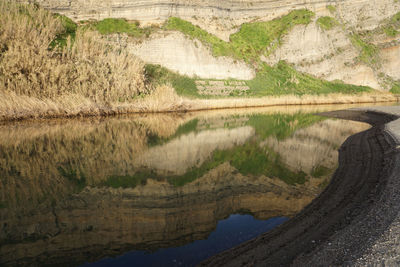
[[158, 190]]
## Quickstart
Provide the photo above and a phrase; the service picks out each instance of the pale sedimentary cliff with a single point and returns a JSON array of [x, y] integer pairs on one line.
[[190, 57], [150, 10], [327, 54]]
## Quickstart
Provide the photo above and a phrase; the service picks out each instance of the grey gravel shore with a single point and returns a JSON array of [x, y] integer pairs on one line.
[[355, 221]]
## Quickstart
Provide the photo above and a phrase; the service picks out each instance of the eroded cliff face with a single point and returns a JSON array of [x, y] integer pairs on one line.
[[189, 57], [150, 10], [327, 54], [330, 53]]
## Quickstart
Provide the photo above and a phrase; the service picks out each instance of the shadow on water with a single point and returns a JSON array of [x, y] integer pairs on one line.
[[78, 191], [229, 233]]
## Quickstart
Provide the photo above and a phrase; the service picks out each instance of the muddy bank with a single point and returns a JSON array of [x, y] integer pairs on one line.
[[345, 224]]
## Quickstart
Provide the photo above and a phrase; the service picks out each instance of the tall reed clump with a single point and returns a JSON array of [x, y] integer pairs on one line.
[[86, 66]]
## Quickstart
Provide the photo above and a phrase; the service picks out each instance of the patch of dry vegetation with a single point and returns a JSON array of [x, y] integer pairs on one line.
[[86, 67], [88, 76]]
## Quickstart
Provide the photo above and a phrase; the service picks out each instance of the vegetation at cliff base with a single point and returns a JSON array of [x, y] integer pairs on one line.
[[281, 79], [86, 67], [395, 88]]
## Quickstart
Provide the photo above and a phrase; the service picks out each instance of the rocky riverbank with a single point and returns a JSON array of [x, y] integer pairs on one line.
[[355, 220]]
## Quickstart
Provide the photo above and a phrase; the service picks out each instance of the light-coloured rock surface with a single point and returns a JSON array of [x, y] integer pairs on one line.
[[189, 57], [150, 10], [391, 61], [328, 55], [366, 14]]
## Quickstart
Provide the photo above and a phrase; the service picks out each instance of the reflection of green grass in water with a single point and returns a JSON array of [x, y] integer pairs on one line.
[[77, 178], [155, 140], [129, 181], [320, 171], [248, 159], [277, 125], [281, 126]]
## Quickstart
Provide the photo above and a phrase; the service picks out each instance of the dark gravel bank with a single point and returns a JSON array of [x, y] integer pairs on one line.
[[351, 221]]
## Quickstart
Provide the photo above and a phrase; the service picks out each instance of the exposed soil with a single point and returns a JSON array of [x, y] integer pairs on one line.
[[342, 224]]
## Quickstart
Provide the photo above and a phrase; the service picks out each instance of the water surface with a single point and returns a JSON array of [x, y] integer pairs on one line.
[[158, 190]]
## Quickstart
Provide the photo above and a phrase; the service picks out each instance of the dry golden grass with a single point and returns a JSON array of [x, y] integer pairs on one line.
[[163, 99], [86, 67]]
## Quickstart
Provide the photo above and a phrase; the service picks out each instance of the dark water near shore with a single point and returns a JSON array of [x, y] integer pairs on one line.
[[158, 190], [229, 233]]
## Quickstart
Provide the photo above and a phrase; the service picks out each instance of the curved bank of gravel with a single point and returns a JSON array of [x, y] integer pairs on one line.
[[355, 221]]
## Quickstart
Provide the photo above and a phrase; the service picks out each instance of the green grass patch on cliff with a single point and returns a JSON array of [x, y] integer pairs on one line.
[[395, 88], [283, 79], [331, 8], [111, 25], [327, 23], [184, 85], [369, 53], [392, 26], [70, 28], [251, 41]]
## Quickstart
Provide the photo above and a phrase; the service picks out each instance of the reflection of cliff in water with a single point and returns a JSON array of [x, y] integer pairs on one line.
[[85, 189]]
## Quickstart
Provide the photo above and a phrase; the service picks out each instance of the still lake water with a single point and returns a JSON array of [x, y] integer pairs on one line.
[[158, 190]]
